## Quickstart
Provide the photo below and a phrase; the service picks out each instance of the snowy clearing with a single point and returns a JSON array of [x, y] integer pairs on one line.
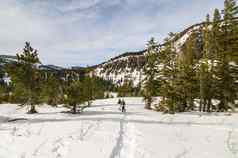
[[102, 131]]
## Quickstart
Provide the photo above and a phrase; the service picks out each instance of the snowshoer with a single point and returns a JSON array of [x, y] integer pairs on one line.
[[119, 102], [123, 107]]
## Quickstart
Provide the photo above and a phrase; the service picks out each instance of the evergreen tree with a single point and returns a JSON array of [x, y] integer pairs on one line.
[[167, 76], [52, 90], [206, 70], [75, 95], [26, 77], [213, 54], [89, 89], [186, 79], [212, 74], [150, 71], [215, 35], [226, 71], [98, 86], [2, 93], [126, 90]]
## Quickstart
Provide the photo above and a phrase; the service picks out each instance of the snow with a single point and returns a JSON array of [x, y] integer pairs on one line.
[[102, 131]]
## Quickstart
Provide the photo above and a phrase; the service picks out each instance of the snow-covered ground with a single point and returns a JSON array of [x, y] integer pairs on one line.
[[104, 132]]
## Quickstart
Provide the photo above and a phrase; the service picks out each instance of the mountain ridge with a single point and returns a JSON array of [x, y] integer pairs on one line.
[[119, 69]]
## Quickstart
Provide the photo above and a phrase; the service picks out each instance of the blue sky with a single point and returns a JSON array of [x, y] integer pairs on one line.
[[87, 32]]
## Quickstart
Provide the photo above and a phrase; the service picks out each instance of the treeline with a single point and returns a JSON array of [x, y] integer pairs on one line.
[[32, 86], [204, 70]]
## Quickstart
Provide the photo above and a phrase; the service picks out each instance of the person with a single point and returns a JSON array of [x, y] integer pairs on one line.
[[123, 107], [119, 102]]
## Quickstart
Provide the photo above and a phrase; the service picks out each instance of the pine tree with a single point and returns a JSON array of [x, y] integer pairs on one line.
[[100, 86], [215, 49], [89, 89], [126, 89], [226, 72], [2, 93], [150, 71], [215, 35], [75, 95], [206, 70], [26, 77], [186, 80], [52, 90], [167, 76]]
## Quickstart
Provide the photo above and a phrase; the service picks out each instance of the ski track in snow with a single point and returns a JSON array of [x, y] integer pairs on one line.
[[127, 141], [116, 151]]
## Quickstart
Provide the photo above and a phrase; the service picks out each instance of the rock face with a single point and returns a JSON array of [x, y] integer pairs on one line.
[[129, 66]]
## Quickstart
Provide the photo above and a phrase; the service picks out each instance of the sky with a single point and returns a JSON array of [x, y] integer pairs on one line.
[[87, 32]]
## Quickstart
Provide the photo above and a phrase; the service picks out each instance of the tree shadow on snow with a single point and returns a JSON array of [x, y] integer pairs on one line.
[[115, 105], [4, 119], [88, 113], [111, 119], [197, 113]]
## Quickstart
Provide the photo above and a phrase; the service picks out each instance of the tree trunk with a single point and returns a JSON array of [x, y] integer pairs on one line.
[[209, 105], [204, 105], [200, 104]]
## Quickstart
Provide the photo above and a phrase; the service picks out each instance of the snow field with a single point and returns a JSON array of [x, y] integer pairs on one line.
[[102, 131]]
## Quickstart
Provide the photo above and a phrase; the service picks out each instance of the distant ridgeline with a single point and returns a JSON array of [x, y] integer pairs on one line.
[[63, 73]]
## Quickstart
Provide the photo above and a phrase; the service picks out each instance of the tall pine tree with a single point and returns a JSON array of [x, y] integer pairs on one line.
[[150, 71], [186, 81], [226, 70], [26, 77], [167, 77], [206, 64]]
